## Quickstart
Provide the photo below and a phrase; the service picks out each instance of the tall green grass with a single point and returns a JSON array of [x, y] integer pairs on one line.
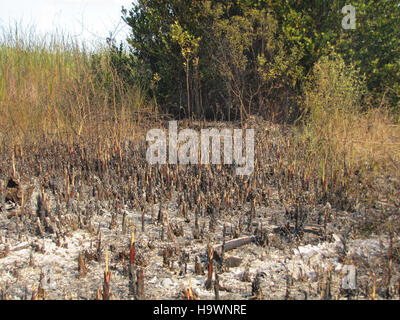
[[51, 87]]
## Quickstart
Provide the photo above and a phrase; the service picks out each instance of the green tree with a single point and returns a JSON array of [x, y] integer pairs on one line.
[[154, 44], [374, 47], [247, 56], [189, 49]]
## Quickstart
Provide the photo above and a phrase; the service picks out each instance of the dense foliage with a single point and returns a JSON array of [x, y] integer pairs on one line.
[[230, 58]]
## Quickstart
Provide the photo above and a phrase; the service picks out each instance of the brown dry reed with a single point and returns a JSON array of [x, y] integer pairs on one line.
[[54, 90]]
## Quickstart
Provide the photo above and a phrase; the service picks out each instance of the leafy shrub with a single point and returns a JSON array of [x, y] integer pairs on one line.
[[349, 145]]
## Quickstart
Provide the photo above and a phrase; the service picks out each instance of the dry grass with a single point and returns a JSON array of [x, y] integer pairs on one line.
[[375, 139], [368, 141], [53, 89], [355, 152]]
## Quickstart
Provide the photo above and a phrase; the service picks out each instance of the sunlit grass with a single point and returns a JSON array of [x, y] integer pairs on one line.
[[348, 144], [52, 87]]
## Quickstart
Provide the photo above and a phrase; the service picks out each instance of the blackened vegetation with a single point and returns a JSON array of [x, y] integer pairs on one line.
[[65, 187], [13, 191]]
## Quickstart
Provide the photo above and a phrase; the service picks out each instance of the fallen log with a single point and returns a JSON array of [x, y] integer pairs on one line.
[[231, 245], [237, 243], [7, 250], [21, 247], [310, 228]]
